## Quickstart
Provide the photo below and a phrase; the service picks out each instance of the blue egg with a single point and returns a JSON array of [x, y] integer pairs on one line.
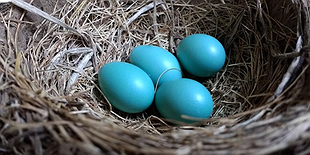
[[184, 101], [126, 86], [201, 55], [155, 61]]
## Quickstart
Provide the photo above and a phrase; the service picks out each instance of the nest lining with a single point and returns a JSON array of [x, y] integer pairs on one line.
[[51, 102]]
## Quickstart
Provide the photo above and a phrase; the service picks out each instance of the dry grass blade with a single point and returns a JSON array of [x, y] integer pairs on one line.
[[5, 1], [39, 12], [297, 63], [79, 69], [50, 102], [142, 10]]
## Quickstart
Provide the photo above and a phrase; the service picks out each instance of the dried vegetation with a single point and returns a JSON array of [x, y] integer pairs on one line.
[[50, 102]]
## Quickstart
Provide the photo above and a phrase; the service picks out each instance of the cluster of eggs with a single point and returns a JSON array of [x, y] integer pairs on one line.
[[130, 87]]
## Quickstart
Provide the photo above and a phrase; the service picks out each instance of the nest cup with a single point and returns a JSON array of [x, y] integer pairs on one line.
[[51, 102]]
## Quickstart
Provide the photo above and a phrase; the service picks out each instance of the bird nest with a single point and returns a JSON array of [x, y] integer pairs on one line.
[[51, 102]]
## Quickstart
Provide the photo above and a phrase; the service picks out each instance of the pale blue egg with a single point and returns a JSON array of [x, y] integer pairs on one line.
[[126, 86], [155, 61], [201, 55], [184, 101]]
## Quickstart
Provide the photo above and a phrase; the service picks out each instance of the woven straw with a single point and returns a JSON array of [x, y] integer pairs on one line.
[[50, 102]]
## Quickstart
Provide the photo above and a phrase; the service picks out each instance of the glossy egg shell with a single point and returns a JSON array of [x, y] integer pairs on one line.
[[155, 61], [185, 97], [201, 55], [126, 86]]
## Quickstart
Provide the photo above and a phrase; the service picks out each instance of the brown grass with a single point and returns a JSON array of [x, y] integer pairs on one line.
[[51, 104]]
